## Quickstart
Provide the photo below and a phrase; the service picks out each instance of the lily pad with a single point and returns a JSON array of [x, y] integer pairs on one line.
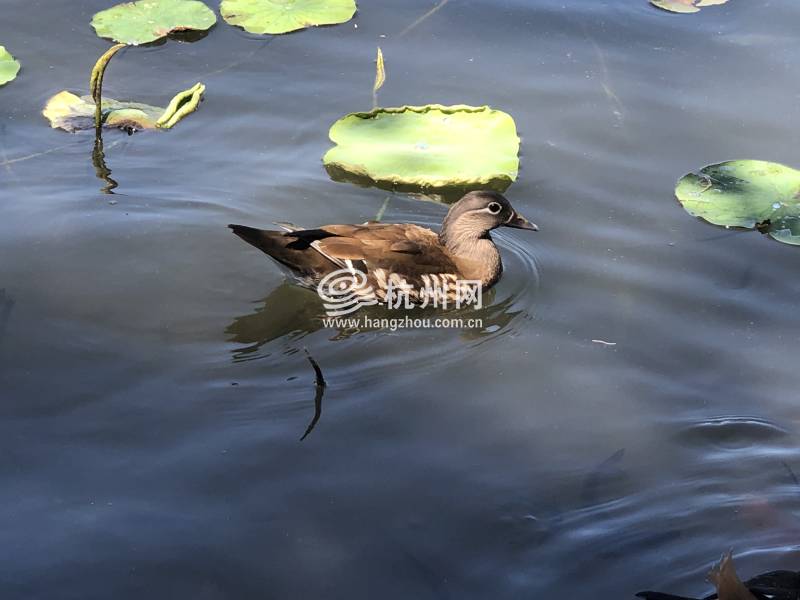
[[685, 6], [427, 146], [146, 21], [8, 66], [72, 113], [283, 16], [753, 194]]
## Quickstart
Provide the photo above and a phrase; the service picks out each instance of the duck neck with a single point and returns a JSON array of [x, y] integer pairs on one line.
[[475, 255]]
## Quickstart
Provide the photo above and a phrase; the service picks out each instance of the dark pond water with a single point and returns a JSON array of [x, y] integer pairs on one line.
[[153, 382]]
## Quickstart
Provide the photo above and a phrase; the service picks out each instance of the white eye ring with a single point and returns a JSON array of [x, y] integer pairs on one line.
[[494, 208]]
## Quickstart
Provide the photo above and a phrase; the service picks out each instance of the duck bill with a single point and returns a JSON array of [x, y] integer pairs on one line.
[[517, 221]]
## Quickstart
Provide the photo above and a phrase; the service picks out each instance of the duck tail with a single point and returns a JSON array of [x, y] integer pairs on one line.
[[285, 248], [251, 235]]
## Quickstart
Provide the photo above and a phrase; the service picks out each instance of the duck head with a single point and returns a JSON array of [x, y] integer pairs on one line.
[[477, 213]]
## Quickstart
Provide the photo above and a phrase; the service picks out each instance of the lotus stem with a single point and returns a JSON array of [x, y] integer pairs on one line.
[[96, 82], [182, 104]]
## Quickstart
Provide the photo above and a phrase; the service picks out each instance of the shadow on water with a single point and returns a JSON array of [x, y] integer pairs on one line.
[[446, 195]]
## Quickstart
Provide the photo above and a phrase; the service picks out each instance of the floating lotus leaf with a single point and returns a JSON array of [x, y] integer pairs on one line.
[[427, 146], [146, 21], [746, 193], [72, 113], [685, 6], [8, 66], [283, 16]]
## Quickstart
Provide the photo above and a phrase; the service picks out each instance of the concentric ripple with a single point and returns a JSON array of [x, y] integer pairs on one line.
[[291, 318]]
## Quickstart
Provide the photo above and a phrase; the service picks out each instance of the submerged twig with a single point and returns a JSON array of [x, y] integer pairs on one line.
[[319, 393], [791, 472], [96, 82], [242, 60], [383, 208], [11, 161], [18, 159], [422, 18]]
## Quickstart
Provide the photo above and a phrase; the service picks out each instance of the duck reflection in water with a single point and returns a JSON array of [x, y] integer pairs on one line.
[[290, 313]]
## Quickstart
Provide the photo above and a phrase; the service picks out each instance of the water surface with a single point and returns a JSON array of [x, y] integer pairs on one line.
[[154, 384]]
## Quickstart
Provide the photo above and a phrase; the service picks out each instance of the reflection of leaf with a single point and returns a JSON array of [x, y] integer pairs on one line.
[[283, 16], [8, 66], [746, 193], [426, 146], [146, 21], [685, 6], [72, 113]]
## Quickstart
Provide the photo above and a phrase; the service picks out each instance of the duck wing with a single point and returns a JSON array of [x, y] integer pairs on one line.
[[395, 247], [402, 253], [377, 249]]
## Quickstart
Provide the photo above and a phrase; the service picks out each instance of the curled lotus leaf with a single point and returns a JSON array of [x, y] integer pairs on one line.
[[9, 67], [283, 16], [685, 6], [146, 21], [72, 113], [752, 194], [430, 146]]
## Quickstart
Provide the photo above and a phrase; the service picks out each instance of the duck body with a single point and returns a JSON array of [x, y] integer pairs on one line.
[[399, 255]]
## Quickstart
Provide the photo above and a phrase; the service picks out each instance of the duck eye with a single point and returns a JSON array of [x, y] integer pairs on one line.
[[494, 207]]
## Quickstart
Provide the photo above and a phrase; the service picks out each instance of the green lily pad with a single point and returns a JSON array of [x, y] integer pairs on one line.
[[753, 194], [685, 6], [283, 16], [146, 21], [72, 113], [8, 66], [431, 146]]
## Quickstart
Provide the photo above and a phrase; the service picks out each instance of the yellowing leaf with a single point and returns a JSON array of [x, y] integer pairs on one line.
[[380, 72], [72, 113]]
